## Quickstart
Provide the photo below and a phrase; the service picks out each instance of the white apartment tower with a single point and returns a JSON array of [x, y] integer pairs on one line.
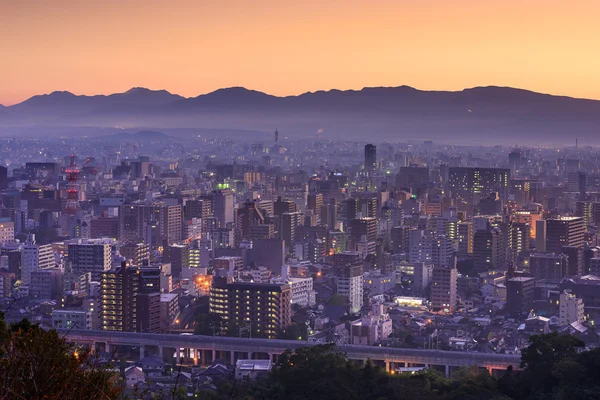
[[35, 257]]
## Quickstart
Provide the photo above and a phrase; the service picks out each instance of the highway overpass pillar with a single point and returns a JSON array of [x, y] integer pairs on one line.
[[214, 355], [142, 351], [447, 371], [160, 352]]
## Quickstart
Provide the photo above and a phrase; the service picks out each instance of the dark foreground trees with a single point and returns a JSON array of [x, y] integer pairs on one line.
[[39, 364], [554, 367]]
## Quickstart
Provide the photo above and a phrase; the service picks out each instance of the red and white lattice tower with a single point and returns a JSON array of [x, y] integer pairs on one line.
[[72, 187]]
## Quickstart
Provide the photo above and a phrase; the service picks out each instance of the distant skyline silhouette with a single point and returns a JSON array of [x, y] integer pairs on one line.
[[285, 47]]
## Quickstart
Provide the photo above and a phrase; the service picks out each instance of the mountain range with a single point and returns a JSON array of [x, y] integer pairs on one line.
[[481, 115]]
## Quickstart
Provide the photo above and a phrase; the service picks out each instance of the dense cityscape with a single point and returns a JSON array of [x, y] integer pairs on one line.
[[305, 242]]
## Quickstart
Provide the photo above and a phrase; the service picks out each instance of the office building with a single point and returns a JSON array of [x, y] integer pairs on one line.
[[370, 157], [94, 256], [471, 184], [564, 231], [223, 207]]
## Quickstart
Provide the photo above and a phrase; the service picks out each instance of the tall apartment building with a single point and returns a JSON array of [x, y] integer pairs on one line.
[[487, 249], [350, 281], [35, 257], [94, 256], [262, 307], [444, 288], [289, 225], [527, 217], [465, 238], [399, 239], [519, 239], [519, 295], [129, 300]]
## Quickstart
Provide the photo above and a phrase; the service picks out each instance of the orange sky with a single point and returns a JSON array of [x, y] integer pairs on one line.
[[285, 47]]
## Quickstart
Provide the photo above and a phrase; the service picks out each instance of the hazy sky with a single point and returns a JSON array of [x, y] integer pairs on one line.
[[285, 47]]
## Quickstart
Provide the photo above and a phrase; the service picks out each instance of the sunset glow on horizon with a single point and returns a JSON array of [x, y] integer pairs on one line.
[[280, 47]]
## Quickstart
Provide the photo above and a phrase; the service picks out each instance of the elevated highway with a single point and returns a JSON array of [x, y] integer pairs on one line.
[[195, 349]]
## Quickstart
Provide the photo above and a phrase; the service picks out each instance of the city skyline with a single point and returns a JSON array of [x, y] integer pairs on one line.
[[283, 49]]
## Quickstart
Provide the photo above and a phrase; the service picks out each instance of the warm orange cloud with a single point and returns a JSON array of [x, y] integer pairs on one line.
[[287, 47]]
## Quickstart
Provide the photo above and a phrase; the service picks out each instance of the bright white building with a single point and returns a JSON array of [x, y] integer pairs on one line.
[[35, 258], [571, 309], [302, 290]]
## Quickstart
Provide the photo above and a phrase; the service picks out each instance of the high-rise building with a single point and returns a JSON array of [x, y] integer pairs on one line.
[[444, 288], [399, 239], [527, 217], [223, 207], [156, 224], [540, 238], [519, 239], [290, 221], [471, 184], [263, 308], [35, 257], [487, 249], [314, 202], [465, 238], [349, 282], [118, 299], [564, 231], [370, 157], [130, 299], [93, 255], [589, 210], [179, 257], [360, 227], [519, 295]]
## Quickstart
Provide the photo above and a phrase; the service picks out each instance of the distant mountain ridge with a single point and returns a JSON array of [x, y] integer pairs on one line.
[[378, 113]]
